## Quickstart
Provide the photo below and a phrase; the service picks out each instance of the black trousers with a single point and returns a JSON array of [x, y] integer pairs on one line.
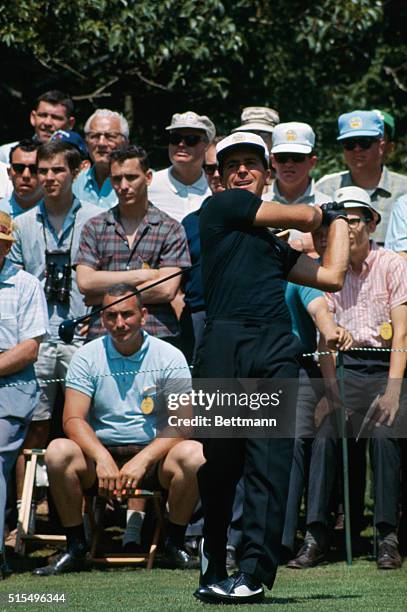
[[238, 349], [365, 378]]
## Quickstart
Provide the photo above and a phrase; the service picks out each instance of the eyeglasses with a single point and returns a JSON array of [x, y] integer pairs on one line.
[[210, 168], [20, 168], [355, 221], [191, 140], [363, 143], [109, 136], [283, 158]]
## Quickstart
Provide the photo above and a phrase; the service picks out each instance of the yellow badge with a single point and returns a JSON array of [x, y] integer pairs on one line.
[[291, 135], [145, 266], [386, 331], [355, 123], [147, 405]]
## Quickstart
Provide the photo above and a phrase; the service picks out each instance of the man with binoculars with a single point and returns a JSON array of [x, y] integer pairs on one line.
[[47, 239]]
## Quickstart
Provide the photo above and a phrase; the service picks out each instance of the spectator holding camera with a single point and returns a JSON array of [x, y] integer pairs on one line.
[[47, 238]]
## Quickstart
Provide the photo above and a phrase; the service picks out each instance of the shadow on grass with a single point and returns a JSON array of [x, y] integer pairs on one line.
[[302, 600]]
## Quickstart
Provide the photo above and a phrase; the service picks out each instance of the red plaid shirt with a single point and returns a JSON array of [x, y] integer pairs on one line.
[[159, 242]]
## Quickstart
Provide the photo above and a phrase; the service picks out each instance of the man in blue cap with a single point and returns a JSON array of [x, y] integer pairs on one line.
[[361, 134]]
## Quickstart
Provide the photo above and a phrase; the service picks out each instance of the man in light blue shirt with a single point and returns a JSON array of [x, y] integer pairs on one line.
[[27, 191], [23, 323], [105, 130], [118, 387], [396, 235], [47, 240]]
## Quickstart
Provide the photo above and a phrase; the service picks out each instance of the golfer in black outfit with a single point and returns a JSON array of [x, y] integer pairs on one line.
[[247, 335]]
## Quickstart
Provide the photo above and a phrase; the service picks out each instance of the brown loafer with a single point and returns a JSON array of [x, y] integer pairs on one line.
[[388, 557], [308, 556]]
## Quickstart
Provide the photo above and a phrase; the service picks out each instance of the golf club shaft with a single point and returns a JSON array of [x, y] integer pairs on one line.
[[135, 292]]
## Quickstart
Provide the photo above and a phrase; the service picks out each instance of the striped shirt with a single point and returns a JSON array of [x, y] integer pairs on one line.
[[366, 299], [160, 242], [391, 186]]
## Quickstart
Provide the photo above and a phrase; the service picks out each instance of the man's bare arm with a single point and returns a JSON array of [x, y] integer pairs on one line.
[[297, 216], [23, 354], [96, 282], [330, 275]]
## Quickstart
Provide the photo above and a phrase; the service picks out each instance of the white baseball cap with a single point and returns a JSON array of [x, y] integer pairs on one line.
[[240, 139], [192, 120], [355, 197], [293, 137]]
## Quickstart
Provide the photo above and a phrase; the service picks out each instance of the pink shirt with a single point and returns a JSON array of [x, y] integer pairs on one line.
[[366, 299]]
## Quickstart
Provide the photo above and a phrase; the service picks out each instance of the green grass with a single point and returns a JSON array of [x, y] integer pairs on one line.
[[334, 587]]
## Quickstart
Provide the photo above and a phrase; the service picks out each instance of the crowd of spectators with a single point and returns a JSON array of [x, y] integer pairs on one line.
[[85, 221]]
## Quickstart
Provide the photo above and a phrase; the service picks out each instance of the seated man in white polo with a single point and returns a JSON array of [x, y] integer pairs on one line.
[[116, 391]]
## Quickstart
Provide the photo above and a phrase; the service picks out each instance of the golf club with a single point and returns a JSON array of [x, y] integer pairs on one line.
[[66, 329]]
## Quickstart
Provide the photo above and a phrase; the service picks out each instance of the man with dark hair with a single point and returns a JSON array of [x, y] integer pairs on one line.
[[248, 335], [117, 437], [27, 191], [47, 239], [135, 243], [53, 111]]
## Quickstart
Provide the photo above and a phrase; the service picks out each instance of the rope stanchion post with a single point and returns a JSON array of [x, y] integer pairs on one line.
[[344, 440]]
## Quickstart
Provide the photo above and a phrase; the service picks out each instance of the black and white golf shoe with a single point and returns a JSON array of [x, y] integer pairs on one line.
[[240, 588]]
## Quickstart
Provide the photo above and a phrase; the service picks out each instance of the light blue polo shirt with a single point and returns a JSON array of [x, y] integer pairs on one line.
[[86, 188], [10, 205], [116, 414], [396, 236], [298, 298]]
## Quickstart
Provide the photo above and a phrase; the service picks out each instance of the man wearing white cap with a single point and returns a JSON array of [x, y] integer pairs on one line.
[[361, 134], [372, 305], [248, 335], [181, 188], [293, 158], [259, 120]]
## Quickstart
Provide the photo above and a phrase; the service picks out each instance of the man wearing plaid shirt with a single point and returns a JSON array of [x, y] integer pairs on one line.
[[133, 243]]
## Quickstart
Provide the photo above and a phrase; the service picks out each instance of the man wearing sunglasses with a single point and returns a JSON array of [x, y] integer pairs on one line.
[[181, 188], [27, 191], [293, 158], [361, 134]]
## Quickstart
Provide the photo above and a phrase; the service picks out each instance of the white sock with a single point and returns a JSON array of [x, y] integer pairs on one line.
[[134, 523]]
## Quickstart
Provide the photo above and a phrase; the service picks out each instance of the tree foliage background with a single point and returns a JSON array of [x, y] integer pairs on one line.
[[310, 60]]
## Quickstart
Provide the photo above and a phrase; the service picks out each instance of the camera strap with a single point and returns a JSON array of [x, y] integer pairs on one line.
[[69, 251]]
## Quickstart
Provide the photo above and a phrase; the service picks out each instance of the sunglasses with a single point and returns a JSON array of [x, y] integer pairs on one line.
[[210, 168], [19, 168], [364, 143], [283, 158], [191, 140]]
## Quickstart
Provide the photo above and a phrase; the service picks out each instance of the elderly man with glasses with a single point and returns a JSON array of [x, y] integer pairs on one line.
[[361, 134], [105, 131], [181, 188]]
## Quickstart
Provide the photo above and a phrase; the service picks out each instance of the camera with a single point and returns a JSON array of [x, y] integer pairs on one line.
[[58, 279]]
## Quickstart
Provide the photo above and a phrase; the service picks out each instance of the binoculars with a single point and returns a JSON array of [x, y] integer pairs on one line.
[[57, 283]]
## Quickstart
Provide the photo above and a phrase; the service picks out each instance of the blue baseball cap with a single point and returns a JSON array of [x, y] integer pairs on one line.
[[360, 123], [72, 138]]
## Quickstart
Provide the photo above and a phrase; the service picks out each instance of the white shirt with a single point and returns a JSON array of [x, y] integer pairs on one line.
[[6, 186], [5, 152], [175, 198]]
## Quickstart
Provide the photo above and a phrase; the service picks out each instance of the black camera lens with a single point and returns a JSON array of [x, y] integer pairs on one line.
[[64, 287], [50, 274]]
